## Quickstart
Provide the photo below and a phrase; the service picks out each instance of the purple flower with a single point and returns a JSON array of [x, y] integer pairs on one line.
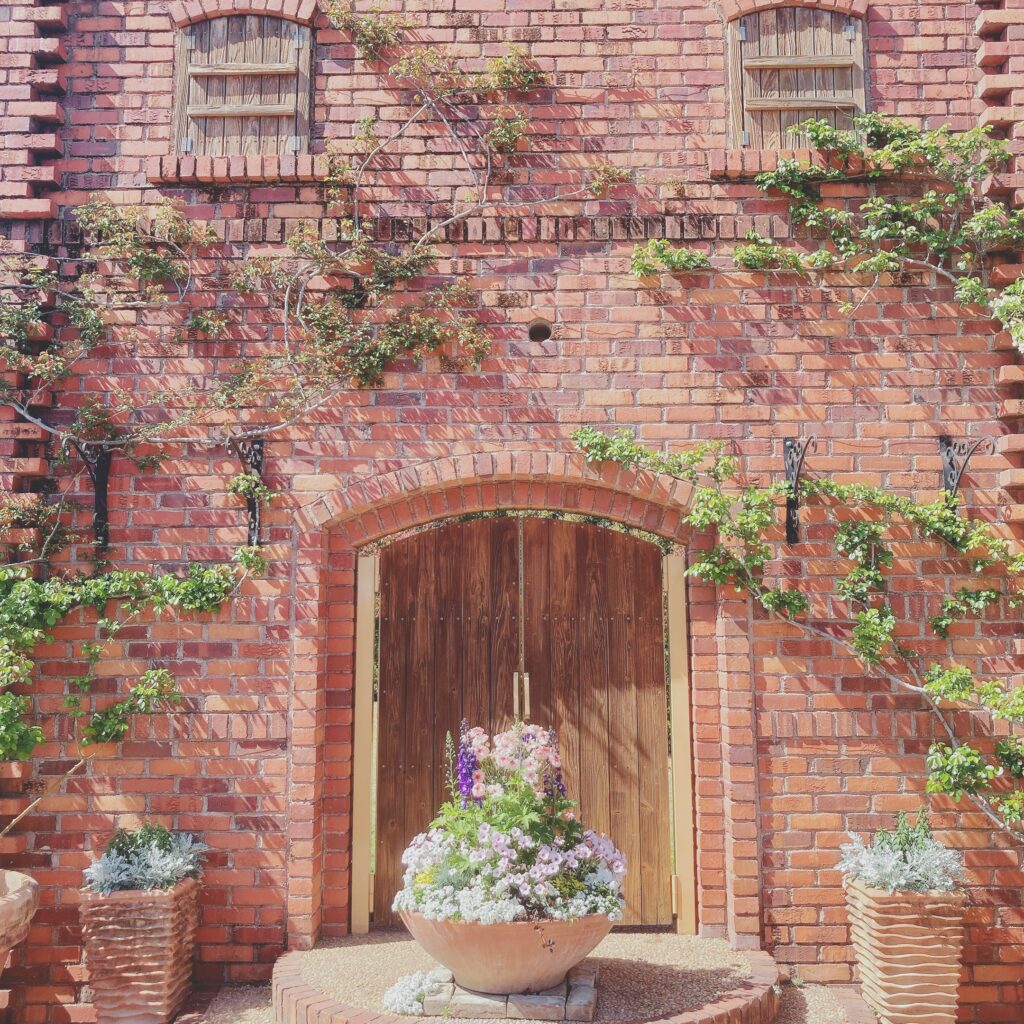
[[467, 765]]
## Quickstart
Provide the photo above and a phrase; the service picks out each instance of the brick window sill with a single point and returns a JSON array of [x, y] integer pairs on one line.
[[231, 170], [745, 164]]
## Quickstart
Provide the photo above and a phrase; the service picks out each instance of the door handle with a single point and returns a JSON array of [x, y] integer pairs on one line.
[[526, 696], [515, 696]]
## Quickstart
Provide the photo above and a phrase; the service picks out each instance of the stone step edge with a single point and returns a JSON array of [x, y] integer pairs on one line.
[[295, 1001]]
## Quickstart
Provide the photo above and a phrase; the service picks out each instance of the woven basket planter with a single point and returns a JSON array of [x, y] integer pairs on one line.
[[908, 946], [138, 947]]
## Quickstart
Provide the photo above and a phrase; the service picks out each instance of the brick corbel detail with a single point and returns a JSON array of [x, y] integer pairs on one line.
[[1000, 92], [30, 117]]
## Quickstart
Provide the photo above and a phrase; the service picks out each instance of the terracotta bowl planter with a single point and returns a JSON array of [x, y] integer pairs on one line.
[[908, 946], [19, 897], [138, 947], [524, 956]]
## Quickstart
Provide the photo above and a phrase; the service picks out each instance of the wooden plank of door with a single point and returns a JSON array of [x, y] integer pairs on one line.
[[502, 544], [596, 562], [421, 683], [448, 584], [474, 686], [551, 617], [652, 741], [623, 761], [396, 561], [538, 645]]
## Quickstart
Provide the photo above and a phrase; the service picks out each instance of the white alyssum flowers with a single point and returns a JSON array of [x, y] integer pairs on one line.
[[406, 996]]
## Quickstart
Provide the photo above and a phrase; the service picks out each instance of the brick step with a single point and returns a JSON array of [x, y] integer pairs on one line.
[[1001, 117], [28, 209], [41, 177], [1012, 373], [43, 111], [22, 432], [23, 467], [15, 190], [49, 50], [1002, 184], [1010, 444], [1012, 479], [990, 24], [52, 18], [1006, 273], [994, 86], [1011, 409], [993, 53], [45, 80], [40, 144], [1013, 513]]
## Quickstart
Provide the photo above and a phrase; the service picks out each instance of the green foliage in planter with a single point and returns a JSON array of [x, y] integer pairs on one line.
[[745, 521], [908, 859], [150, 857]]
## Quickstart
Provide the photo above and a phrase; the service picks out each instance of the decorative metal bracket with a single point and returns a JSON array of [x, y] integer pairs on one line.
[[250, 454], [956, 454], [793, 453], [97, 456]]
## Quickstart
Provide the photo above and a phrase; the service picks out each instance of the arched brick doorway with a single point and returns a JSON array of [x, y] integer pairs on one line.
[[549, 620], [336, 526]]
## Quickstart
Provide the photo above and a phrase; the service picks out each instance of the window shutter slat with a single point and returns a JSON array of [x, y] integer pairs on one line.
[[242, 86]]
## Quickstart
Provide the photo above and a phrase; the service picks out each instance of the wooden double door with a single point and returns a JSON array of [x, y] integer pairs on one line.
[[479, 618]]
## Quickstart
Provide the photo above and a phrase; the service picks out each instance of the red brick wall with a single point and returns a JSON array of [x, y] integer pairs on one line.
[[794, 745]]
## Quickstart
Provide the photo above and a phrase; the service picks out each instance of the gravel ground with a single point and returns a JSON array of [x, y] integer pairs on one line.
[[642, 977]]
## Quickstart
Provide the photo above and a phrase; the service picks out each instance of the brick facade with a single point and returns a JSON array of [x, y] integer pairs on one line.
[[794, 745]]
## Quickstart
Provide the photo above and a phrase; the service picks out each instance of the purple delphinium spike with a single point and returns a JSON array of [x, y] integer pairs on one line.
[[467, 764]]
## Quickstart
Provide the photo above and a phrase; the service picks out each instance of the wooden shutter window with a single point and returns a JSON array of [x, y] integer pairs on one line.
[[242, 86], [790, 64]]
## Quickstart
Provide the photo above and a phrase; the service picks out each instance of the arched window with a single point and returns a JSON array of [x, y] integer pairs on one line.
[[242, 86], [789, 64]]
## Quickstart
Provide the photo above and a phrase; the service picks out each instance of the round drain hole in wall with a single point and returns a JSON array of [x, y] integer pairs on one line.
[[540, 329]]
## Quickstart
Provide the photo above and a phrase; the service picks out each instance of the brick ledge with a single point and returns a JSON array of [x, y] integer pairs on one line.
[[269, 169], [755, 1001]]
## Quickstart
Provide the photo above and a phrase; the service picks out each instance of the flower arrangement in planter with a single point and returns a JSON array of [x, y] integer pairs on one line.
[[139, 919], [906, 918], [507, 888]]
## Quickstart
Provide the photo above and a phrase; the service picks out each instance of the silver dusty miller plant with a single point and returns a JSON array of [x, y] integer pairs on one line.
[[906, 860], [149, 858]]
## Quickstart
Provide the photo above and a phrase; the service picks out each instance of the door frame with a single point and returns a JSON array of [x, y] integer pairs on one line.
[[681, 788]]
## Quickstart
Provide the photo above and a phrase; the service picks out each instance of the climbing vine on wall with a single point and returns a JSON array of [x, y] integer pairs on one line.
[[744, 519], [924, 208], [349, 307]]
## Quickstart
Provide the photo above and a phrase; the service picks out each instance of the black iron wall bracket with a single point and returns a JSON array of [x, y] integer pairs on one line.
[[956, 453], [250, 454], [794, 451], [97, 456]]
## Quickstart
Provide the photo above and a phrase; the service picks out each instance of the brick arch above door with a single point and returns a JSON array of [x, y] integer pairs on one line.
[[378, 506], [333, 527]]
